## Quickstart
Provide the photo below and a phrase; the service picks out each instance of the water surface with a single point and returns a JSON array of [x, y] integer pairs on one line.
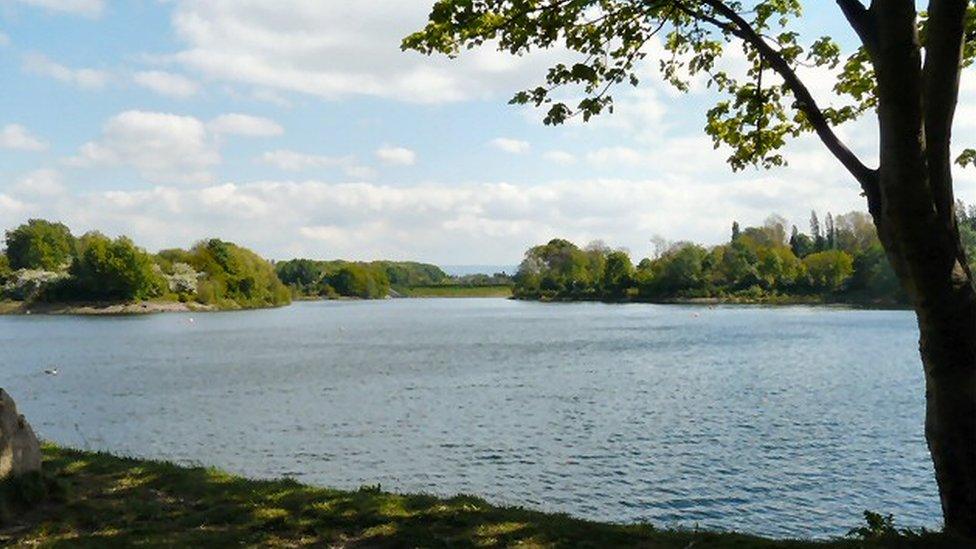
[[777, 421]]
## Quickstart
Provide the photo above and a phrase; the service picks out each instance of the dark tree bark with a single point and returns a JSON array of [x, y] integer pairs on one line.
[[915, 217]]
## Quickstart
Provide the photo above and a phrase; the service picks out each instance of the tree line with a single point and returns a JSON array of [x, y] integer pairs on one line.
[[44, 261], [839, 259], [373, 279]]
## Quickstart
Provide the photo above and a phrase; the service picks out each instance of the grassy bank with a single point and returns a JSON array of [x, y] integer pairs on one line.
[[458, 291], [97, 500]]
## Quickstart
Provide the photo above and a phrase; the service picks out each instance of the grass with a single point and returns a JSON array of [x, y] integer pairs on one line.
[[96, 500], [458, 291]]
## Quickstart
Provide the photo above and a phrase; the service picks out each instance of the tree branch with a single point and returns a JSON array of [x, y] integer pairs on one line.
[[867, 177], [862, 21]]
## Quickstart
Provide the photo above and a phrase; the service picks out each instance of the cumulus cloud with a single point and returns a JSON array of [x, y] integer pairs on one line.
[[19, 138], [396, 156], [293, 161], [245, 125], [337, 49], [512, 146], [87, 8], [449, 223], [162, 147], [43, 183], [167, 83], [92, 79]]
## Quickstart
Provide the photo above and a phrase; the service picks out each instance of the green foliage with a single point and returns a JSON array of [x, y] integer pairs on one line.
[[111, 269], [5, 271], [357, 280], [560, 269], [235, 276], [372, 280], [828, 271], [618, 275], [302, 274], [757, 264], [40, 245]]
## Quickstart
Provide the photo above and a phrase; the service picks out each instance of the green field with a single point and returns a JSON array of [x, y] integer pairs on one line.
[[97, 500], [458, 291]]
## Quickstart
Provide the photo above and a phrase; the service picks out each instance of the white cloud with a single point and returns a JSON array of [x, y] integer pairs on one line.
[[292, 161], [43, 183], [512, 146], [396, 156], [338, 49], [19, 138], [84, 78], [4, 39], [449, 223], [245, 125], [161, 147], [560, 157], [167, 83], [87, 8]]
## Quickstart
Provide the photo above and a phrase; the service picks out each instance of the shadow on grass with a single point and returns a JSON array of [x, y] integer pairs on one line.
[[104, 501]]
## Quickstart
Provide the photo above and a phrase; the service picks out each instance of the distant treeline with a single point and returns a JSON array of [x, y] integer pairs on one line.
[[371, 280], [839, 259], [43, 261]]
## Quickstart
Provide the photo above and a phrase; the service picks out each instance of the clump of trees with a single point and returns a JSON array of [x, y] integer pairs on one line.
[[44, 261], [840, 259], [366, 280]]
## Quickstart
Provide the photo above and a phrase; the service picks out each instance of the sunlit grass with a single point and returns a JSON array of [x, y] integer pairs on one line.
[[96, 500]]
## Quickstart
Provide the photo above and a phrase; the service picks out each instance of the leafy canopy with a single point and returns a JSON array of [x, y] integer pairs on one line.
[[40, 244], [761, 108]]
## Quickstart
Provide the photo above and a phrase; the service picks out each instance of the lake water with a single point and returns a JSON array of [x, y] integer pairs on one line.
[[777, 421]]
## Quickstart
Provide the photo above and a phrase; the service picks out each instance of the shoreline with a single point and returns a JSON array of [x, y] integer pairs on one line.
[[101, 308], [88, 498], [106, 308]]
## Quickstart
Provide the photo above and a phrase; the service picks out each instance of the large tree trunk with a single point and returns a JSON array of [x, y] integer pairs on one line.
[[949, 354], [913, 209]]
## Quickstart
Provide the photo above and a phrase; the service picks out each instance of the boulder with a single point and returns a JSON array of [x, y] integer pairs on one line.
[[20, 452]]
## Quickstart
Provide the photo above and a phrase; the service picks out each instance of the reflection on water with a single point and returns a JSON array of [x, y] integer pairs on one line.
[[786, 422]]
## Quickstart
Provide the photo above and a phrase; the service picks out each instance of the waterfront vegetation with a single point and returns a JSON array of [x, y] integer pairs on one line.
[[97, 500], [839, 260], [377, 279], [45, 263]]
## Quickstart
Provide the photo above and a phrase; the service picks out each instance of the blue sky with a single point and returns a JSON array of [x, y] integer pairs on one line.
[[298, 128]]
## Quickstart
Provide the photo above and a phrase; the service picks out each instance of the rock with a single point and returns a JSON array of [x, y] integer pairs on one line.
[[20, 452]]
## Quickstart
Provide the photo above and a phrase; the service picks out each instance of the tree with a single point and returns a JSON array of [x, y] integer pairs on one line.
[[618, 275], [113, 269], [40, 244], [828, 270], [906, 71], [356, 280], [735, 231], [819, 242]]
